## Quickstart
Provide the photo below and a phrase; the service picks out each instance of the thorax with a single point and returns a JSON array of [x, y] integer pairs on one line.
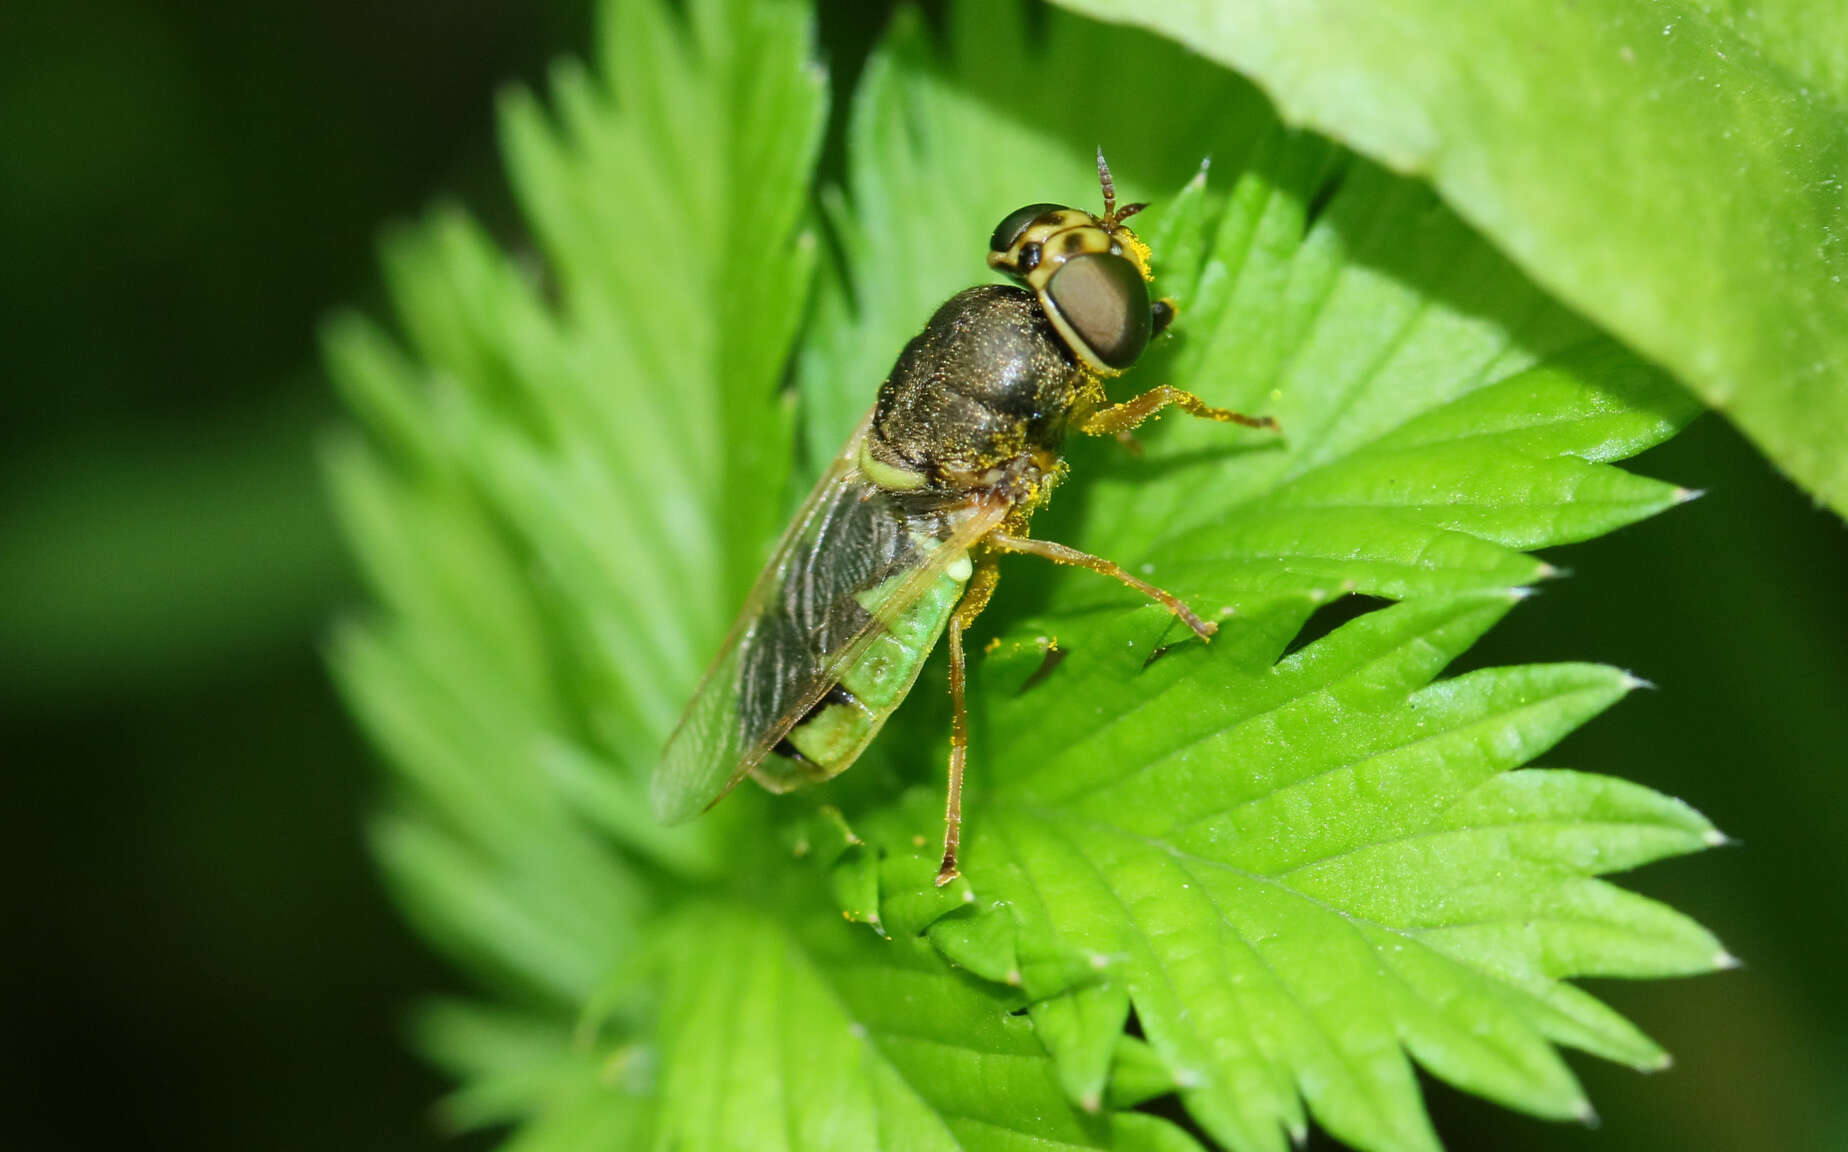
[[978, 402]]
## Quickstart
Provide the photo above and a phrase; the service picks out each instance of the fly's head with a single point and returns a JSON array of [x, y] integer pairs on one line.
[[1090, 274]]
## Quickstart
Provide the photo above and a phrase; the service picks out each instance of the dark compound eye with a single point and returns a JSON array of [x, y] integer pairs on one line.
[[1105, 301], [1017, 221]]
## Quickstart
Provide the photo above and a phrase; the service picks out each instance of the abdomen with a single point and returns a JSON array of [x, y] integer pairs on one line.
[[833, 733]]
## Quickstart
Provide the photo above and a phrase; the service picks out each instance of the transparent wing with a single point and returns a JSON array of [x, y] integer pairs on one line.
[[854, 558]]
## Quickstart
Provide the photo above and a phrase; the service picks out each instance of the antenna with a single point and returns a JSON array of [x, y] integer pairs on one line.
[[1112, 217], [1103, 177]]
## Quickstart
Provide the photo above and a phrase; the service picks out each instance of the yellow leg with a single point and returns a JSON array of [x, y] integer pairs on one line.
[[981, 587], [1121, 418], [1060, 554]]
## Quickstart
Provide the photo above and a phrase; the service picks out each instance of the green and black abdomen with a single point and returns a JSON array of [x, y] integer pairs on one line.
[[851, 577]]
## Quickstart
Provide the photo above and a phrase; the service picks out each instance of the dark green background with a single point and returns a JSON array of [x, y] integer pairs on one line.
[[198, 954]]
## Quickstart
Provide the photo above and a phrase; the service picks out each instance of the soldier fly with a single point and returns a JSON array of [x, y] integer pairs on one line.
[[897, 543]]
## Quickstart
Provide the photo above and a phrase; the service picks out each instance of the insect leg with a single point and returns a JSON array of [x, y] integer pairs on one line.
[[1061, 554], [981, 587], [1122, 417]]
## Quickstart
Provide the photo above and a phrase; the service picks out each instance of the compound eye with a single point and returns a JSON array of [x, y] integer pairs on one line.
[[1018, 221], [1106, 303]]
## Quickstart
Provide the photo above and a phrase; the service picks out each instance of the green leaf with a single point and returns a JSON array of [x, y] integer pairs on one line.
[[798, 1033], [1301, 870], [541, 625], [1200, 834], [1672, 170], [511, 1061]]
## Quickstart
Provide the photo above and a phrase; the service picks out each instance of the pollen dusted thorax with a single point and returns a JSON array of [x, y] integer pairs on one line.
[[979, 400]]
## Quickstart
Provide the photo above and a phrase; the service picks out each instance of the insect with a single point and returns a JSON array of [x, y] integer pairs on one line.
[[898, 542]]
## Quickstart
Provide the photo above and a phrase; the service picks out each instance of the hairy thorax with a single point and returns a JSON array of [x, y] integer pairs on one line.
[[979, 400]]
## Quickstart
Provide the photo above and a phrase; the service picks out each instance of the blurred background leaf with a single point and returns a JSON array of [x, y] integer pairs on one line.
[[1673, 170], [184, 190]]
